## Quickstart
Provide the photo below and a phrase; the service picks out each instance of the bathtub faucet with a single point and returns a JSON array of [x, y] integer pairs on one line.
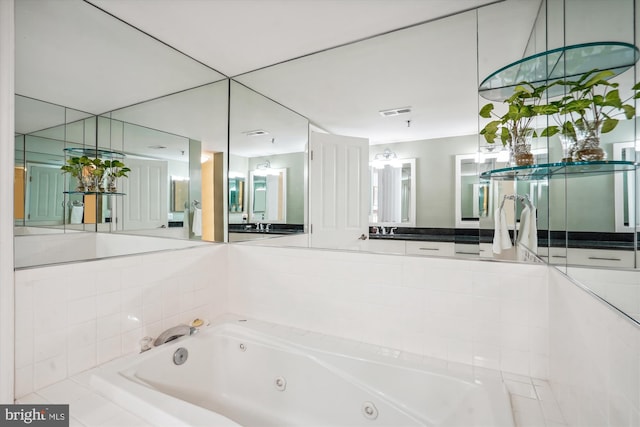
[[174, 333]]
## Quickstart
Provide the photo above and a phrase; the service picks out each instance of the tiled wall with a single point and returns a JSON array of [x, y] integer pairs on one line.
[[482, 313], [72, 317], [594, 358]]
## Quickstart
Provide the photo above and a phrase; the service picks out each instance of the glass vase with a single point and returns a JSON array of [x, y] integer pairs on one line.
[[588, 142], [569, 144], [520, 148]]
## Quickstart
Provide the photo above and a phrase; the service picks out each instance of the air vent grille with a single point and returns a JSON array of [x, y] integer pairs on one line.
[[257, 132], [395, 111]]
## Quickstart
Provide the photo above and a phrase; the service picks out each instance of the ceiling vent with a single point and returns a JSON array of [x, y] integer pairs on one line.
[[257, 132], [395, 111]]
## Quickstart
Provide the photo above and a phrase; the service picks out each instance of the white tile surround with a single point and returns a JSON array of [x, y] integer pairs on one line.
[[594, 358], [72, 317], [529, 321], [488, 314]]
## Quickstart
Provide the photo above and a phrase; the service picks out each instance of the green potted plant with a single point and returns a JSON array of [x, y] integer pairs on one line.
[[114, 170], [591, 106], [514, 128], [97, 172], [79, 168]]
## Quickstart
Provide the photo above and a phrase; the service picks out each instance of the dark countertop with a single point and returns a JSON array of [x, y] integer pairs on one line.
[[273, 228], [559, 239]]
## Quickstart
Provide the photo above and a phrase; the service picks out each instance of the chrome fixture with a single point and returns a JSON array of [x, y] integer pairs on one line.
[[263, 166], [369, 410], [386, 155], [174, 333], [180, 356]]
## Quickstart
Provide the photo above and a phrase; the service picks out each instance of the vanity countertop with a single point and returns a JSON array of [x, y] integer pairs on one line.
[[559, 239]]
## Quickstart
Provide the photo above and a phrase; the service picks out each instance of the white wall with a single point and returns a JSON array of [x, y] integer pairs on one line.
[[594, 358], [481, 313], [72, 317], [6, 198]]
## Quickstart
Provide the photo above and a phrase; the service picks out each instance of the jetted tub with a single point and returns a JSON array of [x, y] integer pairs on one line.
[[254, 374]]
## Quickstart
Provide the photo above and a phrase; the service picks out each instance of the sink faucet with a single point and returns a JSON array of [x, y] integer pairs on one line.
[[384, 230], [259, 226], [268, 228], [392, 229], [174, 333]]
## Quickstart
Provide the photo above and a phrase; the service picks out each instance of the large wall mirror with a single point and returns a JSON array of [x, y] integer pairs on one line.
[[586, 219], [267, 168], [163, 115]]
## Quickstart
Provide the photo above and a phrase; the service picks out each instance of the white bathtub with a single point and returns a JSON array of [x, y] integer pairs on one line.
[[249, 373]]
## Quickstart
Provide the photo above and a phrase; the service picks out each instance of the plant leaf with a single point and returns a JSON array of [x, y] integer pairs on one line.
[[629, 111], [486, 111], [609, 125]]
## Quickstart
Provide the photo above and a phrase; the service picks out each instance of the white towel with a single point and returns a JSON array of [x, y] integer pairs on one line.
[[501, 238], [76, 214], [528, 229], [197, 222]]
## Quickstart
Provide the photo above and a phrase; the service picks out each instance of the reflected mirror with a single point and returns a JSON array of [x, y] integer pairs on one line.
[[393, 191], [268, 196], [236, 193], [267, 144]]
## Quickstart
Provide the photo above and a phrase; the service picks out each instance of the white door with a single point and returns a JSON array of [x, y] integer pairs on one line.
[[45, 194], [145, 204], [339, 190]]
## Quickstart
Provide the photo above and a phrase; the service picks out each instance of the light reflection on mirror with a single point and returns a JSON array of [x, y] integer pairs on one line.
[[393, 190], [236, 192], [268, 194]]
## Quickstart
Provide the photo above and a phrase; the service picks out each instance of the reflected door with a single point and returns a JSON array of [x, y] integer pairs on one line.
[[145, 205], [339, 190], [45, 194]]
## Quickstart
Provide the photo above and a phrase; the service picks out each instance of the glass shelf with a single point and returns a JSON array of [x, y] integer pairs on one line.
[[93, 152], [559, 170], [102, 193], [567, 61]]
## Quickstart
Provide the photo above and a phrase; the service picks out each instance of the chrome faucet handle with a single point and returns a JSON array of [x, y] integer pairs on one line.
[[392, 229], [377, 230], [268, 227], [146, 343], [384, 230]]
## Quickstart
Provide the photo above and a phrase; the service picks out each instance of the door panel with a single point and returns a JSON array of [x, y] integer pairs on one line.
[[45, 194], [339, 186], [145, 204]]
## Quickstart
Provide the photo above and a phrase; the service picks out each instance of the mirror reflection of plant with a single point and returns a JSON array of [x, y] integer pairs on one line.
[[75, 165], [592, 105], [116, 169], [524, 105]]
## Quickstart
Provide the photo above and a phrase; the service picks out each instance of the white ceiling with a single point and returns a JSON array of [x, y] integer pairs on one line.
[[71, 53], [237, 36]]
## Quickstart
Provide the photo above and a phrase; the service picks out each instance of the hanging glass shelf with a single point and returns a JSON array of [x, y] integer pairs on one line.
[[96, 153], [567, 61], [559, 170]]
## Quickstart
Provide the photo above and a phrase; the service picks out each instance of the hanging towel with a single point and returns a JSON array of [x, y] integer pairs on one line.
[[76, 214], [528, 228], [501, 238], [197, 222]]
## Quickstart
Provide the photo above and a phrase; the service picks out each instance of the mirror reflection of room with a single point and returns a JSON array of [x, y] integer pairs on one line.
[[267, 164]]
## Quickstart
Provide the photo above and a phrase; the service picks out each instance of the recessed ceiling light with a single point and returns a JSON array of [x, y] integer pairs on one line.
[[395, 111], [257, 132], [158, 147]]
